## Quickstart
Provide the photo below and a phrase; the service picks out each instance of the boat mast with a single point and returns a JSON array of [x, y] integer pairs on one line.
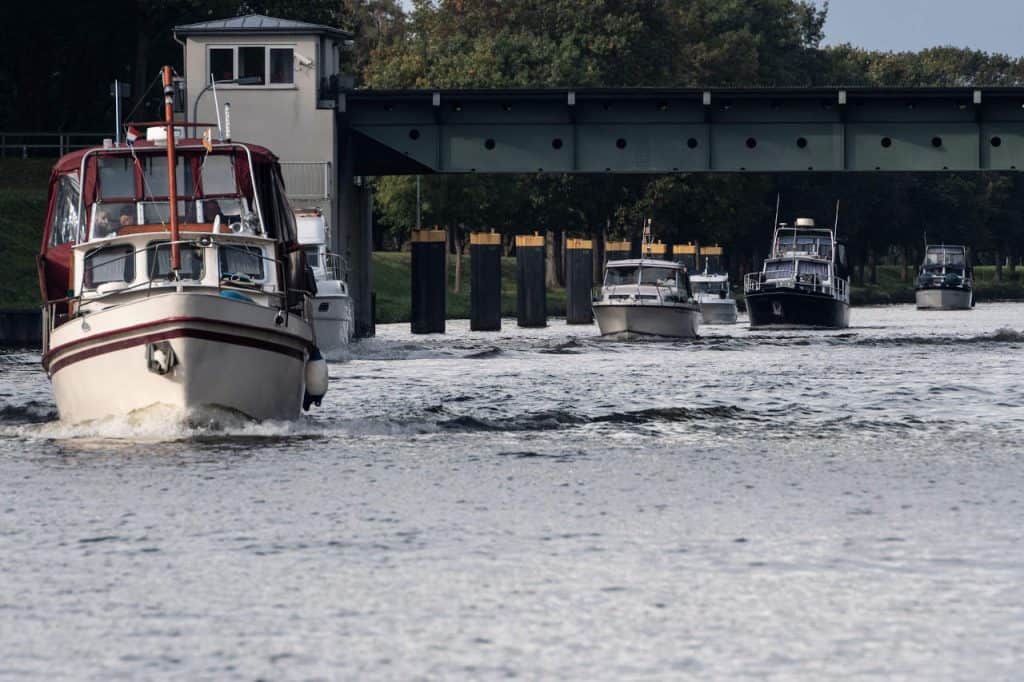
[[646, 246], [172, 179]]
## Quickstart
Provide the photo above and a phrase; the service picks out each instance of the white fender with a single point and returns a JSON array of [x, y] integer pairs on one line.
[[316, 375]]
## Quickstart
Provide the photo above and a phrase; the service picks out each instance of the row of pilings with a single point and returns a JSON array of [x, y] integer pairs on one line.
[[429, 280]]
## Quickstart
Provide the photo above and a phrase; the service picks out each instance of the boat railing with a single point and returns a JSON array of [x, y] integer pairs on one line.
[[336, 267], [836, 287]]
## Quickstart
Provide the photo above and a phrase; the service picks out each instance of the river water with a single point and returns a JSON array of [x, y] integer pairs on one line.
[[543, 504]]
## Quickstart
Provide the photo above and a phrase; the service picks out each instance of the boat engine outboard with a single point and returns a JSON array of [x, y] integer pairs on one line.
[[316, 379]]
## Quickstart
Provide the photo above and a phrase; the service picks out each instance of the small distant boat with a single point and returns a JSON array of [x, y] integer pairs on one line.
[[332, 305], [712, 290], [803, 283], [170, 277], [945, 281], [647, 297]]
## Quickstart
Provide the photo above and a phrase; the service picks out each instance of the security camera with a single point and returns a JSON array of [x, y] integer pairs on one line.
[[303, 60]]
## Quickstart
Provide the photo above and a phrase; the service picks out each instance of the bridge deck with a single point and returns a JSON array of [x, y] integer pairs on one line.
[[683, 130]]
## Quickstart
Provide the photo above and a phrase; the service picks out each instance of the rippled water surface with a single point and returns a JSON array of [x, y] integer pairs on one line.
[[543, 504]]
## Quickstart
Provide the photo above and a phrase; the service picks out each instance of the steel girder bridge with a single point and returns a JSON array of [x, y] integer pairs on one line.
[[767, 130]]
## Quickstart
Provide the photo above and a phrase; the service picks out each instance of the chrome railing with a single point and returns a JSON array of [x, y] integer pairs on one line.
[[839, 288], [336, 267]]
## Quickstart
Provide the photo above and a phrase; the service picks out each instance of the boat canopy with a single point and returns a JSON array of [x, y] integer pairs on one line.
[[99, 192]]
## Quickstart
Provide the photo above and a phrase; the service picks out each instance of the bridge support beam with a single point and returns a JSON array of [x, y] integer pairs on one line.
[[353, 237], [579, 280]]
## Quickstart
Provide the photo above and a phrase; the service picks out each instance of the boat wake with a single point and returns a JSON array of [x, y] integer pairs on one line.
[[157, 423]]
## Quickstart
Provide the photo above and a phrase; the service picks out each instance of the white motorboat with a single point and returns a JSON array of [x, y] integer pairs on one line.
[[712, 290], [332, 305], [945, 281], [178, 289], [646, 297]]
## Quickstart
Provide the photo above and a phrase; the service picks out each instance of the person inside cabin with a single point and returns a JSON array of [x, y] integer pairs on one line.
[[211, 209], [104, 225], [127, 216]]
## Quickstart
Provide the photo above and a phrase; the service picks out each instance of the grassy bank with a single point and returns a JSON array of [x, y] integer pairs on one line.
[[22, 212]]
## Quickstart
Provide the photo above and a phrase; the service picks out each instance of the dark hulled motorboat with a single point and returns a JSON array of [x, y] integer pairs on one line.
[[803, 283]]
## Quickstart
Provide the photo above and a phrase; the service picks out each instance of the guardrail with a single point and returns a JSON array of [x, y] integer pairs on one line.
[[754, 282], [46, 144]]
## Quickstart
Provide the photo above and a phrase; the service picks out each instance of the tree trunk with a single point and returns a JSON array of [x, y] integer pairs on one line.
[[999, 266], [874, 267]]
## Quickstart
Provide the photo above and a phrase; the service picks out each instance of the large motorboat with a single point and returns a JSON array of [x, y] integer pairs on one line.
[[712, 290], [945, 281], [804, 282], [171, 276], [646, 297], [332, 305]]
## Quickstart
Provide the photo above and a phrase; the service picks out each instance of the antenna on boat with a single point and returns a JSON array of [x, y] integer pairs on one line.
[[172, 181], [835, 225], [216, 106], [778, 202], [646, 240]]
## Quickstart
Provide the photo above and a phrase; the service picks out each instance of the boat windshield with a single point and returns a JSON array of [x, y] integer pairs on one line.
[[778, 269], [620, 275], [709, 287], [665, 277], [817, 244], [935, 258]]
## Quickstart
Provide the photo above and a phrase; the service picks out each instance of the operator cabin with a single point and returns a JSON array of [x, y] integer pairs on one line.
[[281, 78]]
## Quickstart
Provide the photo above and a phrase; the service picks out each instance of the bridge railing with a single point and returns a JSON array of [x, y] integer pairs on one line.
[[46, 144]]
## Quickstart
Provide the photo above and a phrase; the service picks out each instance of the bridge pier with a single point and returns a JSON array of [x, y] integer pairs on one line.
[[579, 280], [352, 236], [485, 282], [429, 281], [531, 292]]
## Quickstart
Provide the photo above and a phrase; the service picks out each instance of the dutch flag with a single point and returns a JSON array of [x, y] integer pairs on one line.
[[133, 134]]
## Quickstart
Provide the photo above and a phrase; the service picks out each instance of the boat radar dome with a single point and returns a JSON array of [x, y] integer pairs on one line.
[[805, 222]]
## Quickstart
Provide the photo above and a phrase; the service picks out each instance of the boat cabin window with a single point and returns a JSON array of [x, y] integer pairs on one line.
[[218, 175], [665, 277], [154, 176], [778, 269], [158, 261], [231, 210], [65, 225], [159, 212], [117, 177], [620, 275], [109, 217], [313, 256], [109, 264], [238, 261], [810, 269]]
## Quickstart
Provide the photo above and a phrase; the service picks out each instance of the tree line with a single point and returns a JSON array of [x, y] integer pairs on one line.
[[56, 61]]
